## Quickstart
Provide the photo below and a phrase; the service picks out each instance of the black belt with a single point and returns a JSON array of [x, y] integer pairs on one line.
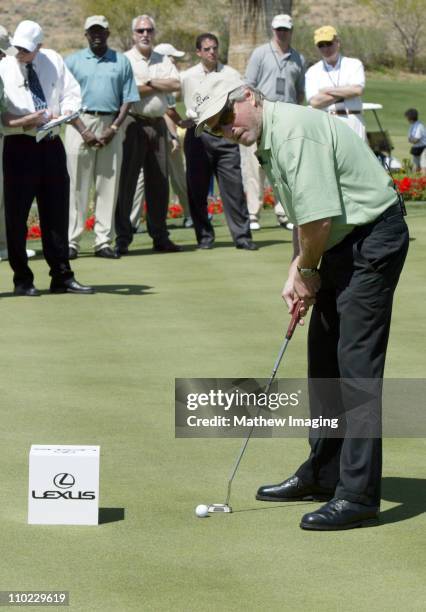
[[99, 113], [345, 112], [146, 120]]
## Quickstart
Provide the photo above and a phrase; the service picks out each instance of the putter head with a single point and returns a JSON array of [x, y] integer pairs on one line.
[[219, 508]]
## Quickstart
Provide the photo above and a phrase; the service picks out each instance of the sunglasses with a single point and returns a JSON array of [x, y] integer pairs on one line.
[[325, 44], [226, 117], [142, 30], [282, 29]]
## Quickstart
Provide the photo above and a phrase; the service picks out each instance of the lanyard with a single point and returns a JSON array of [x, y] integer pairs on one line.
[[277, 62], [339, 65]]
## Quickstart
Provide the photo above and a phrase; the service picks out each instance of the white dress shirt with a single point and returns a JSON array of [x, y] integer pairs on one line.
[[192, 78], [61, 90], [156, 67], [347, 72]]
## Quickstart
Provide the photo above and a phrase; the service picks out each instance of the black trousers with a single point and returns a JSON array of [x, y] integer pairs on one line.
[[348, 336], [36, 170], [204, 156], [144, 146]]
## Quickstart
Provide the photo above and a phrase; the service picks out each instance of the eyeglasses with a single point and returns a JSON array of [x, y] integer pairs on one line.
[[325, 44], [226, 117], [142, 30]]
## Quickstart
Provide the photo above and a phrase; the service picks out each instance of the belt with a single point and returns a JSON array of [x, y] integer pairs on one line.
[[146, 120], [99, 113], [345, 112]]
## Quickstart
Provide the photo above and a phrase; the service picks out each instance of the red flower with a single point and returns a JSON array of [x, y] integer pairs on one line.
[[90, 223], [34, 232], [175, 211], [215, 206], [268, 197]]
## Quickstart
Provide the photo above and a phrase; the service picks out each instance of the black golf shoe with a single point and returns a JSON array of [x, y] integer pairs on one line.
[[293, 489], [340, 514]]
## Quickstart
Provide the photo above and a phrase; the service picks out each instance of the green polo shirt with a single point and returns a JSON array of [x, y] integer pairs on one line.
[[319, 168]]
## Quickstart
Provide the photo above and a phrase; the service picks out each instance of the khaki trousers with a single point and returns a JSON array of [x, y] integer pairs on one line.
[[88, 166], [253, 181]]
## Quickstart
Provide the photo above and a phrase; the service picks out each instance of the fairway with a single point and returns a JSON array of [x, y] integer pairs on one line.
[[100, 369]]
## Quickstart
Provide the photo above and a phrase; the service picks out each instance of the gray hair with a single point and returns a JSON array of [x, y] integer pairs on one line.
[[142, 18], [238, 95]]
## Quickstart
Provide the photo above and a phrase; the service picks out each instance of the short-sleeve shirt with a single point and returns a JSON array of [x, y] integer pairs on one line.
[[320, 168], [347, 71], [418, 131], [192, 78], [106, 82], [266, 64], [156, 67]]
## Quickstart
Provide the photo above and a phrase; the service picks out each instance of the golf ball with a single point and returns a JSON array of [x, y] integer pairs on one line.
[[202, 510]]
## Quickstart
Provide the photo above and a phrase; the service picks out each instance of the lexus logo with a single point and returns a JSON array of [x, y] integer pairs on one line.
[[64, 481]]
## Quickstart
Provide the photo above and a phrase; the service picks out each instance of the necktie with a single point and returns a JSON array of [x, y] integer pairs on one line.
[[37, 93]]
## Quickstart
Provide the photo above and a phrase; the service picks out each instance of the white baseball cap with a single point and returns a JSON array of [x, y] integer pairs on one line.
[[282, 21], [211, 97], [99, 20], [5, 45], [168, 49], [28, 35]]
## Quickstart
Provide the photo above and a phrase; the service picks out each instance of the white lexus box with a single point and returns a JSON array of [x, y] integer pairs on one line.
[[63, 485]]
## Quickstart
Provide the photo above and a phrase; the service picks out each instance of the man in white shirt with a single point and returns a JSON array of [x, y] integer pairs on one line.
[[336, 83], [145, 142], [417, 137], [211, 154], [5, 49], [37, 83]]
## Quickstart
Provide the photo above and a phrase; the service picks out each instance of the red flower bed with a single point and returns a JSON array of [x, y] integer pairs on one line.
[[412, 188]]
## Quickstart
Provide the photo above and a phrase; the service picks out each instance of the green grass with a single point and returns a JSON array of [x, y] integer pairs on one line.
[[100, 370]]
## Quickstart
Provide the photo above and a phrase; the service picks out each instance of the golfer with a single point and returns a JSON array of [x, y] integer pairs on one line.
[[350, 244]]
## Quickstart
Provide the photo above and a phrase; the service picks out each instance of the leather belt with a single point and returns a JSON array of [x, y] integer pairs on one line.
[[146, 120], [345, 112], [99, 113]]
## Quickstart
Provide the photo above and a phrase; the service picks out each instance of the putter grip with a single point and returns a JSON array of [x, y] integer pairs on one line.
[[294, 321]]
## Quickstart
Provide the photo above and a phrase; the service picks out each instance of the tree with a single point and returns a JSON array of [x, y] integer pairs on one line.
[[408, 20], [250, 26], [120, 14]]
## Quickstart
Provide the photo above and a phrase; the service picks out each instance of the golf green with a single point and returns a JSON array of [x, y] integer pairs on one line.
[[100, 369]]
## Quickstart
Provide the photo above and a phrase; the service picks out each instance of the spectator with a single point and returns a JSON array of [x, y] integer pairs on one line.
[[145, 143], [278, 71], [335, 84], [94, 157], [38, 86], [210, 154], [5, 49], [176, 159], [417, 137]]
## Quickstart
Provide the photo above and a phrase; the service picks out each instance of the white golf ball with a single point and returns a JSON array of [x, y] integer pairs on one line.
[[202, 510]]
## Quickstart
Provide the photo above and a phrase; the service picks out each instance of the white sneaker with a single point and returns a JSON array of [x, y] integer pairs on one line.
[[254, 225], [284, 222], [4, 255]]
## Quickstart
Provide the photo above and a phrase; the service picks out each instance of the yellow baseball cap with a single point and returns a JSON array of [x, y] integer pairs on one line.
[[325, 34]]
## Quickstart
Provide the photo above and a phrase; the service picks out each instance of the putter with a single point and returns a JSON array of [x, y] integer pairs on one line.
[[221, 508]]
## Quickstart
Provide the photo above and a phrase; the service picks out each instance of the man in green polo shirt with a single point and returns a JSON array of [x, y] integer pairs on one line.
[[350, 244]]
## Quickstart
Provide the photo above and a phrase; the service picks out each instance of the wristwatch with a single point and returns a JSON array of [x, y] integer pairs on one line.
[[307, 272], [114, 127]]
